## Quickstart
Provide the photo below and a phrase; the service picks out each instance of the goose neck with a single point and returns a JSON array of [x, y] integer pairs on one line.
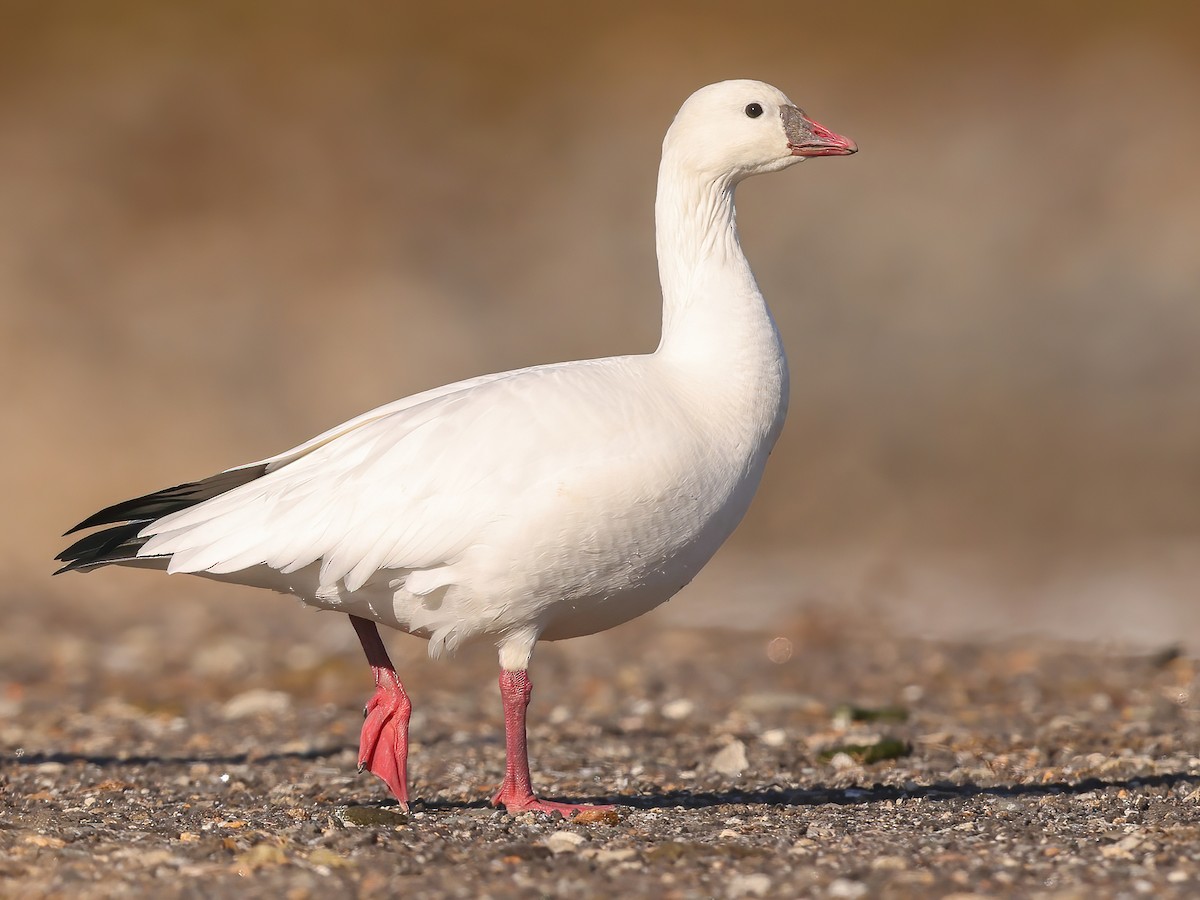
[[709, 292], [696, 229]]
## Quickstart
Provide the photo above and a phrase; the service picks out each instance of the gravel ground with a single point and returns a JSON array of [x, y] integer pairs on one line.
[[208, 750]]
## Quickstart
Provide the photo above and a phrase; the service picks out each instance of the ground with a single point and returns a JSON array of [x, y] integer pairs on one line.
[[206, 750]]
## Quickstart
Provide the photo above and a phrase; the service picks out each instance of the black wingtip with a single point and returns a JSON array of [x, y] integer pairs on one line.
[[153, 506], [120, 543]]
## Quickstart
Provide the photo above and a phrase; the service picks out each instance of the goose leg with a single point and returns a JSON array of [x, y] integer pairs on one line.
[[383, 746], [516, 791]]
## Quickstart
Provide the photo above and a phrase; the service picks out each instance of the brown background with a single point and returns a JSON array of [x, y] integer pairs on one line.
[[225, 229]]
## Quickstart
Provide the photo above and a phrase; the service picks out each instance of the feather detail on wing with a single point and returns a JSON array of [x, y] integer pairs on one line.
[[124, 544], [408, 487], [357, 503]]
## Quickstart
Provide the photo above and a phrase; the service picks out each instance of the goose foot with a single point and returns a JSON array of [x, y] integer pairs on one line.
[[516, 791], [383, 745]]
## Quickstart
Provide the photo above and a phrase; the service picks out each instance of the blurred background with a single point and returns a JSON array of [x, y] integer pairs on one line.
[[225, 227]]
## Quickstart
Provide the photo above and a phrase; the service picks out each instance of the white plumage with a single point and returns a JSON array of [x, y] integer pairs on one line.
[[551, 499], [548, 502]]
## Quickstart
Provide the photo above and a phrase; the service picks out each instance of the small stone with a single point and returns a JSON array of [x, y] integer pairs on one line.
[[1123, 848], [774, 737], [842, 761], [221, 660], [641, 707], [372, 816], [519, 853], [731, 759], [679, 709], [596, 817], [780, 702], [563, 842], [779, 650], [256, 703], [330, 859], [611, 857], [755, 885], [845, 889], [674, 851], [818, 832], [913, 693], [42, 840], [260, 856]]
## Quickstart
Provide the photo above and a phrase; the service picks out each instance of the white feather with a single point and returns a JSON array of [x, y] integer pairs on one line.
[[551, 501]]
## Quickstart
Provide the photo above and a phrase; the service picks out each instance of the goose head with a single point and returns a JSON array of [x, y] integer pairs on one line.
[[734, 129]]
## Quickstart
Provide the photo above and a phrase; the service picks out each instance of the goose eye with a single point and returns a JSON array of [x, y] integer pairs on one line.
[[754, 110]]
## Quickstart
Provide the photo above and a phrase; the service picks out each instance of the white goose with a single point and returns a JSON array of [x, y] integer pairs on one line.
[[539, 504]]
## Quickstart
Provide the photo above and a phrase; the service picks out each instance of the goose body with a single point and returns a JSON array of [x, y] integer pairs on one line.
[[603, 502], [543, 503]]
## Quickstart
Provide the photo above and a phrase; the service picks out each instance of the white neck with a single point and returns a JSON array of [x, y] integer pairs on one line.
[[716, 324], [710, 297], [696, 238]]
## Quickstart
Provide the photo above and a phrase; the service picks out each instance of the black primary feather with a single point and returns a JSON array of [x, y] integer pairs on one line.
[[108, 546], [121, 543]]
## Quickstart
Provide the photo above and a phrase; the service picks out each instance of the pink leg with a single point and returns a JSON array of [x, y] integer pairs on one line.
[[516, 792], [383, 747]]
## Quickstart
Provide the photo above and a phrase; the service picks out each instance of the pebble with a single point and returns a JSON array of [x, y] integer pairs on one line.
[[842, 761], [372, 817], [755, 885], [224, 659], [845, 889], [563, 842], [774, 737], [256, 703], [678, 709], [779, 702], [730, 759], [596, 817], [260, 856], [612, 857]]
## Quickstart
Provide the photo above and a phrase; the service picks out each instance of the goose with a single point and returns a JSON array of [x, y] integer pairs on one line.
[[539, 504]]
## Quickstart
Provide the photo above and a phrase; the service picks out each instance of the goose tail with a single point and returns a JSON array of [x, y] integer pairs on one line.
[[119, 544]]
